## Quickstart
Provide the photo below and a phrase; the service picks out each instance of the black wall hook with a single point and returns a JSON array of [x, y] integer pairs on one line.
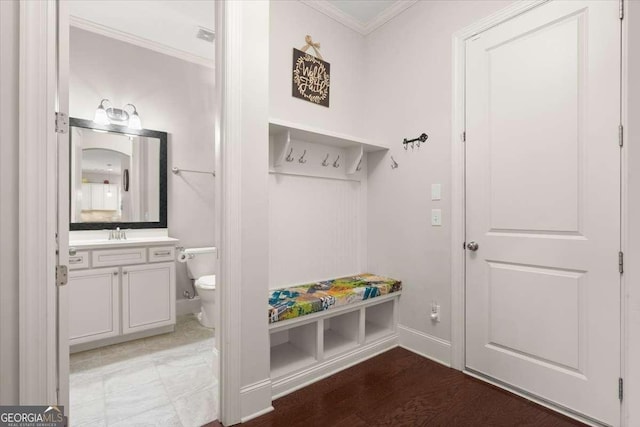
[[420, 139]]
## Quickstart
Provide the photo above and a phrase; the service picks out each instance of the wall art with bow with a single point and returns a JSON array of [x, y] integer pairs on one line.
[[311, 74]]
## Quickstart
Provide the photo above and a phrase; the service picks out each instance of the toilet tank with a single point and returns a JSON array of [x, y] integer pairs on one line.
[[200, 261]]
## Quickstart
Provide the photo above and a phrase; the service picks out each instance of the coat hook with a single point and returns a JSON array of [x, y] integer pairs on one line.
[[336, 164], [302, 159], [325, 162], [422, 138], [394, 164], [289, 157]]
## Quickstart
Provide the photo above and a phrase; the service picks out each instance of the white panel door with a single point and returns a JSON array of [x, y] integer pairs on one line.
[[148, 296], [94, 305], [543, 197]]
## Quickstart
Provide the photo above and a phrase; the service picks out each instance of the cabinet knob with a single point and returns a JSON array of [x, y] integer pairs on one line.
[[124, 272], [115, 273]]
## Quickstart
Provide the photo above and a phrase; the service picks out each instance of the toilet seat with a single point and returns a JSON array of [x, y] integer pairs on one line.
[[206, 282]]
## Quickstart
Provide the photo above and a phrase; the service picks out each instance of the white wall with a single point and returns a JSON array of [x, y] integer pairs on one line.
[[409, 63], [314, 228], [171, 95], [343, 48], [9, 21], [393, 83]]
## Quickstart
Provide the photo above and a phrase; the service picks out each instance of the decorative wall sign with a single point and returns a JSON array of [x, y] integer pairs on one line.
[[311, 74]]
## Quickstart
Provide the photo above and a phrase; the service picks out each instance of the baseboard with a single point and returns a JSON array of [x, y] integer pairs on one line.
[[187, 306], [255, 400], [425, 345], [76, 348], [290, 383]]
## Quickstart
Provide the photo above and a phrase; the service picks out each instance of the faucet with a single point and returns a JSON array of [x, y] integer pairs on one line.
[[117, 234]]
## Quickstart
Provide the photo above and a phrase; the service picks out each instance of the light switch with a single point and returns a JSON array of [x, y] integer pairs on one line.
[[436, 217], [436, 191]]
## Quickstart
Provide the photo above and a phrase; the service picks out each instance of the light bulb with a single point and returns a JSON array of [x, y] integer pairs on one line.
[[101, 116], [134, 121]]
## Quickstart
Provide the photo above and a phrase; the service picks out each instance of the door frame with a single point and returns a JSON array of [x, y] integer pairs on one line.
[[39, 216], [458, 198], [38, 213]]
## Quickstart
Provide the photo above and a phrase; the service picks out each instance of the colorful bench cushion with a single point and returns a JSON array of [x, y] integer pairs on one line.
[[296, 301]]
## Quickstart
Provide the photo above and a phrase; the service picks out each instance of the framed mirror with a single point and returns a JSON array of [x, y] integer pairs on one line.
[[118, 177]]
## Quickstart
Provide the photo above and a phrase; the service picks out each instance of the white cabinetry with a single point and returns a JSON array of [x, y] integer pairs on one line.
[[87, 196], [96, 196], [94, 304], [116, 292], [148, 296]]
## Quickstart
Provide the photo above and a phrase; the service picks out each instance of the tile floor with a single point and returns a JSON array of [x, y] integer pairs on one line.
[[166, 380]]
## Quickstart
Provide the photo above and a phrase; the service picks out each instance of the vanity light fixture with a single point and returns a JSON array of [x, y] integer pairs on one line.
[[106, 114]]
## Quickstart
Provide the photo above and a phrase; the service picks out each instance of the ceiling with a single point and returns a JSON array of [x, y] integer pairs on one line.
[[171, 26], [107, 162], [166, 26], [363, 16], [363, 11]]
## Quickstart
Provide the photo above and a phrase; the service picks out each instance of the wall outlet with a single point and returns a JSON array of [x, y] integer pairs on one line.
[[435, 312], [436, 217]]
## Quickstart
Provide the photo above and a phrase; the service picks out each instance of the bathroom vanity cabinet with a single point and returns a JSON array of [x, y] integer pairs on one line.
[[120, 291]]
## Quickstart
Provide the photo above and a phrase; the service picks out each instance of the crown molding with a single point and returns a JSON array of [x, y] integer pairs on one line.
[[347, 20], [94, 27]]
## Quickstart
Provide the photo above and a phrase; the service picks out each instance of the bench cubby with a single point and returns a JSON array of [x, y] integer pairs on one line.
[[293, 349], [340, 333], [379, 321], [309, 348]]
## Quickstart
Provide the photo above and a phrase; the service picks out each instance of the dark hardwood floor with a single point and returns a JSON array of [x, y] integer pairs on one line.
[[399, 388]]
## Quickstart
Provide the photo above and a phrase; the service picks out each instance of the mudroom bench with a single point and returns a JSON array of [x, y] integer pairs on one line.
[[320, 328]]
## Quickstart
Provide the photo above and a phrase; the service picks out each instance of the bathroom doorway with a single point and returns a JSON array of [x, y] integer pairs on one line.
[[140, 301]]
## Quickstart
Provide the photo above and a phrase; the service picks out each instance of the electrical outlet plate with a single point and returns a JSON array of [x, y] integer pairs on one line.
[[435, 312], [436, 191], [436, 217]]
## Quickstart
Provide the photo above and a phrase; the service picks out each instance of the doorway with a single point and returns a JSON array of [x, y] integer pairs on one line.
[[132, 315], [542, 194]]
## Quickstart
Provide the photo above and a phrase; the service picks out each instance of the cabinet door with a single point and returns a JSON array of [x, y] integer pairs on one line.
[[97, 196], [86, 197], [111, 197], [148, 296], [94, 309]]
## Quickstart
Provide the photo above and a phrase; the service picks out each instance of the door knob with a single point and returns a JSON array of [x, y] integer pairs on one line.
[[472, 246]]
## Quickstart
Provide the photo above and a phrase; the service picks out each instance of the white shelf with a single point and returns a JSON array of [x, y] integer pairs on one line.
[[293, 349], [287, 358], [379, 321], [321, 136], [335, 343], [340, 333], [373, 331]]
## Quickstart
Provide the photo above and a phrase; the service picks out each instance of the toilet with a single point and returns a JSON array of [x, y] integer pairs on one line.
[[201, 266]]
